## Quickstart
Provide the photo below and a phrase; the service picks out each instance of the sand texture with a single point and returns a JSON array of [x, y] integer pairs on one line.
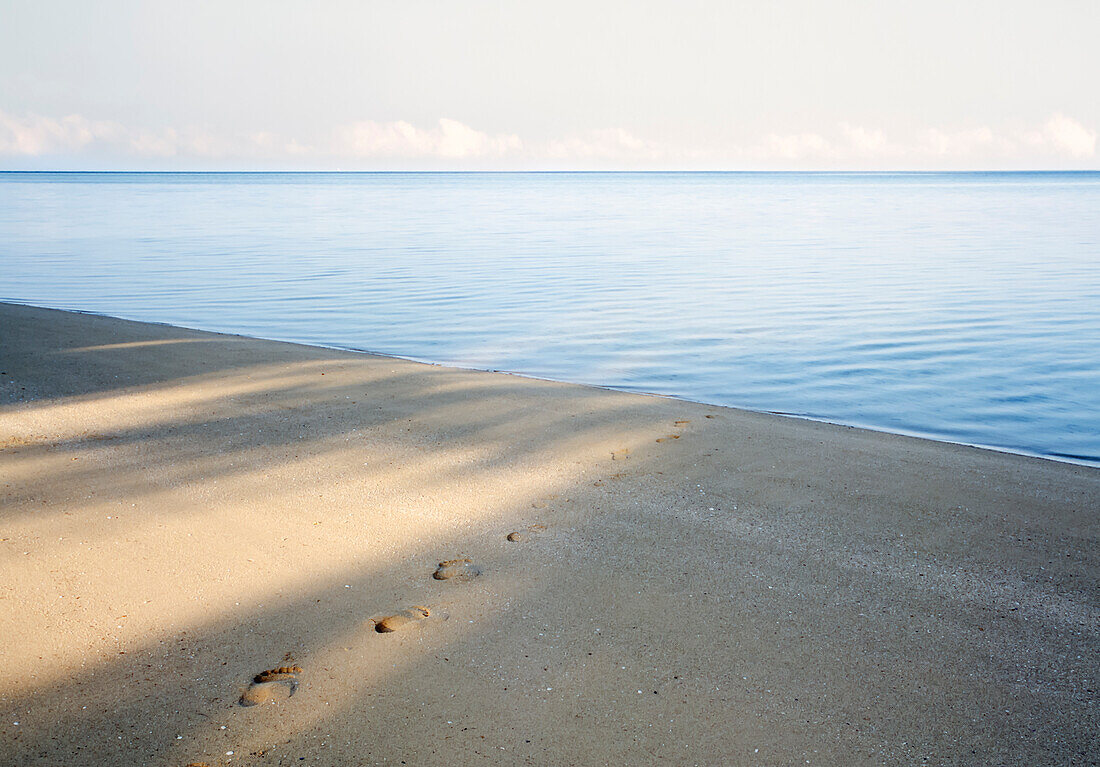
[[200, 534]]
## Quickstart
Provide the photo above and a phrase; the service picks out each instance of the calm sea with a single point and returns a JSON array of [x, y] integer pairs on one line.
[[963, 307]]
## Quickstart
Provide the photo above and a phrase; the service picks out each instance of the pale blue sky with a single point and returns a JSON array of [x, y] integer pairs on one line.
[[591, 84]]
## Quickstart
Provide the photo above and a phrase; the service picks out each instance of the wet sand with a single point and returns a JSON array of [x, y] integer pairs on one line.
[[193, 521]]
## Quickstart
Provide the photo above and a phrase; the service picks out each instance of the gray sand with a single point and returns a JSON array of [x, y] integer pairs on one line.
[[182, 510]]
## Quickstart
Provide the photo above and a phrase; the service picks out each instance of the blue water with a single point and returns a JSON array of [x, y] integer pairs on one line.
[[963, 307]]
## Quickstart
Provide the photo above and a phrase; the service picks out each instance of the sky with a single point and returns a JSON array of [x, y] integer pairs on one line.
[[533, 85]]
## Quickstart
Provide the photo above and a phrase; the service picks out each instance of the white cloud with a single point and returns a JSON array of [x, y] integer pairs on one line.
[[611, 144], [35, 135], [1070, 136], [39, 136], [450, 140], [148, 144], [868, 142], [794, 146], [970, 142], [1057, 140]]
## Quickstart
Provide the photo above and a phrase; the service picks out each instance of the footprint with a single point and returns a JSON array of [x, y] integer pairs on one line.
[[272, 686], [541, 502], [457, 570], [620, 455], [667, 437], [518, 536], [401, 620]]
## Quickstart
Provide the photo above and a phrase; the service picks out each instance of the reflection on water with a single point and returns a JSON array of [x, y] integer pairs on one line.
[[964, 307]]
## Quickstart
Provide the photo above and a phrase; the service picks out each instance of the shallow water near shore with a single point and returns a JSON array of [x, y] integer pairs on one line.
[[962, 307]]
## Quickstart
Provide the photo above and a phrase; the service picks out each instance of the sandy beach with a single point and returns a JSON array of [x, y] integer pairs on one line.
[[636, 579]]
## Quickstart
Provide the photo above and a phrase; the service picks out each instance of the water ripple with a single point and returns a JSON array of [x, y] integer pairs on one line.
[[963, 307]]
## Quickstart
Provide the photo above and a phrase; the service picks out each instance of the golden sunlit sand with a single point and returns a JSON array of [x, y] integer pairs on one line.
[[626, 579]]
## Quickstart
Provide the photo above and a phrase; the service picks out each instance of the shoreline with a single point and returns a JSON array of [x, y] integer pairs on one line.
[[1087, 462], [191, 520]]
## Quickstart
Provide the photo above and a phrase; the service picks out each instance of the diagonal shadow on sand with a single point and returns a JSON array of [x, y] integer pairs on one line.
[[758, 591]]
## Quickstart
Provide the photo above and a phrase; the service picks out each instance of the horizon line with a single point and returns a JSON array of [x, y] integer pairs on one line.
[[1001, 171]]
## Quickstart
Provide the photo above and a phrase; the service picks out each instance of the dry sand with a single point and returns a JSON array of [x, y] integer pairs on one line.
[[182, 511]]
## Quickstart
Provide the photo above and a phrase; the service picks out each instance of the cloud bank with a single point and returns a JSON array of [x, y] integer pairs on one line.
[[449, 140], [1060, 141]]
